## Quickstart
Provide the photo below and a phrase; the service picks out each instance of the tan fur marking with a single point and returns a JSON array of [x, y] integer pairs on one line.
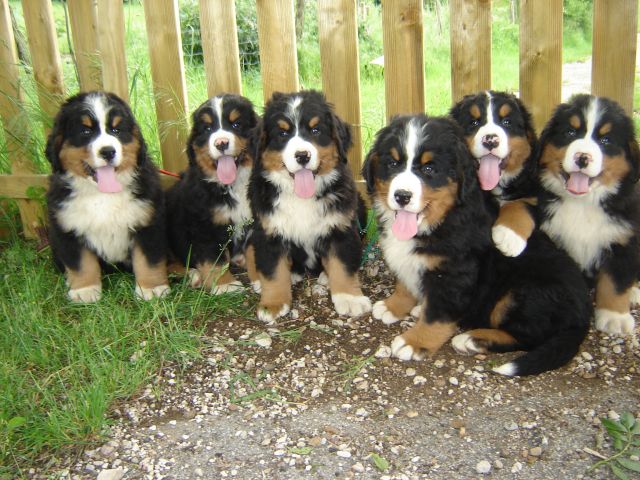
[[250, 263], [272, 160], [276, 291], [401, 301], [234, 115], [340, 281], [500, 309], [213, 274], [613, 169], [116, 121], [148, 275], [438, 202], [395, 154], [608, 297], [382, 190], [432, 262], [130, 153], [505, 110], [429, 336], [86, 121], [575, 122], [604, 129], [88, 273], [426, 157], [220, 216], [552, 157], [328, 157], [475, 111], [314, 122], [516, 216], [519, 151], [283, 125], [484, 338], [73, 159], [206, 117], [203, 159]]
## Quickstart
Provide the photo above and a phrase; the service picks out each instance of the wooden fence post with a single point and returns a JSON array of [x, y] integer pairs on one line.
[[403, 57], [45, 56], [219, 34], [14, 120], [470, 32], [277, 40], [338, 30], [615, 31], [169, 84], [111, 36], [84, 29], [540, 57]]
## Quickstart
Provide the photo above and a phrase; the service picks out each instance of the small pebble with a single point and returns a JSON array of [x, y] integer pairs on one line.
[[263, 340], [358, 467], [383, 352], [587, 356], [453, 381], [343, 454], [517, 467], [535, 451], [511, 426], [111, 474], [410, 372], [419, 380], [483, 467], [498, 464]]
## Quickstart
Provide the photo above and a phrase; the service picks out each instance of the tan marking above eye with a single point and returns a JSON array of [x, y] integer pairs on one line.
[[426, 157], [116, 121], [206, 117], [395, 154], [475, 111], [86, 121], [314, 122], [575, 122], [234, 115], [604, 129], [504, 110], [284, 125]]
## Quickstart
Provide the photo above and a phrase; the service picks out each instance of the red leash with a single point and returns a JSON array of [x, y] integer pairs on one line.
[[167, 172]]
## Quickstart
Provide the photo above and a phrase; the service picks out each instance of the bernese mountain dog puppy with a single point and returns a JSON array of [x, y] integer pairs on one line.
[[435, 234], [305, 205], [500, 134], [589, 164], [208, 209], [105, 202]]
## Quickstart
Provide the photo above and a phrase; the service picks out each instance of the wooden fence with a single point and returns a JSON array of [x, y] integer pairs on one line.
[[614, 50]]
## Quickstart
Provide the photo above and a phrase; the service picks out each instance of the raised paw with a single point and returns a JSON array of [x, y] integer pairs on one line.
[[465, 344], [269, 313], [351, 305], [614, 323], [154, 292], [404, 351], [381, 312], [89, 294], [507, 241], [234, 286]]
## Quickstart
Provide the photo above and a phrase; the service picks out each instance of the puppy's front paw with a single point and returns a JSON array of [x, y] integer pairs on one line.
[[269, 313], [89, 294], [634, 298], [257, 286], [154, 292], [234, 286], [195, 279], [465, 344], [614, 323], [417, 310], [351, 305], [401, 349], [381, 312], [507, 241]]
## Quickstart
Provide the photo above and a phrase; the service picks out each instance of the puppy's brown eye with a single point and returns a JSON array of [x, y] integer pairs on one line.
[[571, 132], [315, 131], [235, 125], [428, 170], [605, 140], [506, 122], [115, 131], [207, 127], [283, 133], [475, 123], [86, 131]]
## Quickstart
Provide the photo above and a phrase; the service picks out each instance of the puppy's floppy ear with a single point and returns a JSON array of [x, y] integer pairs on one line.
[[342, 134], [465, 170], [634, 159], [368, 170], [55, 141], [532, 137]]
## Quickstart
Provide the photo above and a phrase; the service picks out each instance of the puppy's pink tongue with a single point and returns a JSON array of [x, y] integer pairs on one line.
[[107, 181], [578, 183], [489, 172], [303, 183], [227, 169], [405, 226]]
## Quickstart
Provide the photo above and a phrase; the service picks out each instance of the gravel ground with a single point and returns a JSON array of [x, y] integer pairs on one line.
[[316, 396]]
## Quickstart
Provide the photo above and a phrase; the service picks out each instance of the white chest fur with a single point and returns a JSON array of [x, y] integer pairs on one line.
[[584, 230], [106, 221], [402, 261]]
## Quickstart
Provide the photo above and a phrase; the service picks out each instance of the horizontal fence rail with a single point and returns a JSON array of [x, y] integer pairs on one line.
[[100, 54]]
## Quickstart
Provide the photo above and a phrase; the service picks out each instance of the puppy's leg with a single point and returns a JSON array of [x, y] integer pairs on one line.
[[344, 284], [483, 340], [513, 227], [397, 306], [252, 272], [151, 277], [612, 306], [275, 300], [214, 277], [424, 337], [84, 280]]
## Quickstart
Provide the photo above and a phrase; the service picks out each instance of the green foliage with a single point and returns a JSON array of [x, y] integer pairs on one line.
[[625, 434], [380, 462]]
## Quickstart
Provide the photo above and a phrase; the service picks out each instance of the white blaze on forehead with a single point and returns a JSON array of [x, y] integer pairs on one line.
[[220, 133], [407, 180], [296, 143], [586, 144], [293, 111], [490, 128], [100, 110]]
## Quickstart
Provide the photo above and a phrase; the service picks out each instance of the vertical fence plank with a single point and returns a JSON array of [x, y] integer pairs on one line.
[[403, 56], [615, 31], [111, 46], [338, 30], [277, 40], [540, 57], [13, 118], [220, 46], [470, 46], [83, 19], [167, 69], [45, 56]]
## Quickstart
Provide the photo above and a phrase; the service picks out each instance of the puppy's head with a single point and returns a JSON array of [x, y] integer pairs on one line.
[[417, 171], [220, 137], [95, 137], [303, 144], [588, 148], [499, 133]]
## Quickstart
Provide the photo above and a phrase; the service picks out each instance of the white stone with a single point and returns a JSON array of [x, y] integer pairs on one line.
[[483, 467], [263, 340], [111, 474]]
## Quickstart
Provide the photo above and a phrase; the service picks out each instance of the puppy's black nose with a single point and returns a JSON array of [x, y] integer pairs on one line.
[[108, 153], [582, 159], [302, 157], [490, 141], [221, 144], [403, 197]]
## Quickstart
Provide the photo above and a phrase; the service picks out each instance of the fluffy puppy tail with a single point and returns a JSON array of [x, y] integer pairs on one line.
[[556, 352]]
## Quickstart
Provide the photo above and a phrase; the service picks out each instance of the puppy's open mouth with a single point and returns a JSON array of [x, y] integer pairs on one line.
[[227, 168], [577, 183], [489, 169], [105, 177], [304, 184], [405, 224]]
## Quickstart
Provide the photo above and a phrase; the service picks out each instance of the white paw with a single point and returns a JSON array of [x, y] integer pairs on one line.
[[257, 286], [195, 279], [614, 323], [351, 305], [149, 293], [323, 279], [88, 294], [267, 317], [634, 299], [508, 370], [234, 286], [507, 241], [465, 344], [296, 278], [401, 350], [416, 311], [380, 312]]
